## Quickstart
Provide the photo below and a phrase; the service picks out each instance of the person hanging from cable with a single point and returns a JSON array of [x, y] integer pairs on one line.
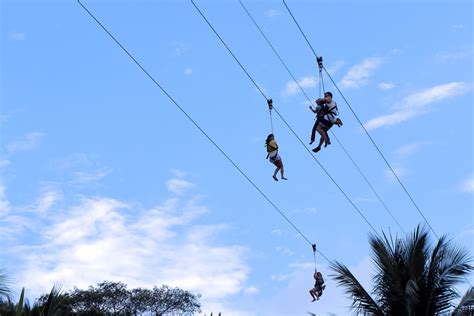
[[274, 157], [319, 286], [327, 109], [319, 116]]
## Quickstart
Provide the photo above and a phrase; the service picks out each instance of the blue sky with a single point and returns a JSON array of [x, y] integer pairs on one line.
[[103, 178]]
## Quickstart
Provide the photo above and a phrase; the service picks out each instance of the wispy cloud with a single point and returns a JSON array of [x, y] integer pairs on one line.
[[284, 251], [292, 88], [452, 56], [468, 185], [84, 244], [276, 232], [81, 168], [384, 86], [251, 290], [272, 13], [4, 203], [408, 149], [417, 103], [457, 27], [16, 36], [89, 176], [180, 47], [399, 171], [188, 71], [4, 162], [178, 173], [48, 197], [359, 74], [178, 186], [336, 66], [29, 142]]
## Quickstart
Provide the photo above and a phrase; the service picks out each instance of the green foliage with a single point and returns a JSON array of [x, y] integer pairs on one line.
[[412, 277], [4, 289], [107, 298], [19, 308], [466, 305]]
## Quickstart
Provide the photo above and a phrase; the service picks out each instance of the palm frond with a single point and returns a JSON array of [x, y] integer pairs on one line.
[[466, 304], [4, 288], [53, 303], [361, 300], [390, 278]]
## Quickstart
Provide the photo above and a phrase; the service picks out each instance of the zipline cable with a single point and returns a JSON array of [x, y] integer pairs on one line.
[[362, 125], [321, 85], [202, 131], [284, 121]]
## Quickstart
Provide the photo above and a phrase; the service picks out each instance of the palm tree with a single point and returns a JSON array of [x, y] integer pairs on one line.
[[466, 305], [412, 277], [4, 289]]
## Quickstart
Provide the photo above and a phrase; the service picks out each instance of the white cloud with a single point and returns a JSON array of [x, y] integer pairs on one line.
[[359, 74], [104, 239], [82, 168], [399, 171], [416, 104], [468, 185], [29, 142], [16, 36], [48, 197], [386, 86], [272, 13], [450, 56], [180, 47], [89, 176], [188, 71], [178, 173], [276, 232], [4, 162], [284, 251], [178, 186], [251, 290], [408, 149], [4, 203], [306, 82], [335, 67]]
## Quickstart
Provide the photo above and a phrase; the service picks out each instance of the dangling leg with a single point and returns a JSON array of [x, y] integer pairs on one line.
[[313, 132], [282, 170], [313, 294], [327, 141], [322, 139], [276, 171]]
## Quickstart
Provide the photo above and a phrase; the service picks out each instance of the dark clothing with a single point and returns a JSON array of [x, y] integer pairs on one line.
[[318, 285], [313, 131], [326, 125]]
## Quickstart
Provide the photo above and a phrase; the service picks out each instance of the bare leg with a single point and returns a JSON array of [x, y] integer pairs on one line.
[[324, 138], [282, 170], [276, 170], [311, 292]]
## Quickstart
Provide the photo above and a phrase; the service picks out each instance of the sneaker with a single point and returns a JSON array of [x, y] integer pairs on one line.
[[311, 142], [275, 178], [316, 149]]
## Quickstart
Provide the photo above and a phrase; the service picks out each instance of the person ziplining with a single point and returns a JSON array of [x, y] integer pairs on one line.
[[326, 113], [326, 116], [272, 148]]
